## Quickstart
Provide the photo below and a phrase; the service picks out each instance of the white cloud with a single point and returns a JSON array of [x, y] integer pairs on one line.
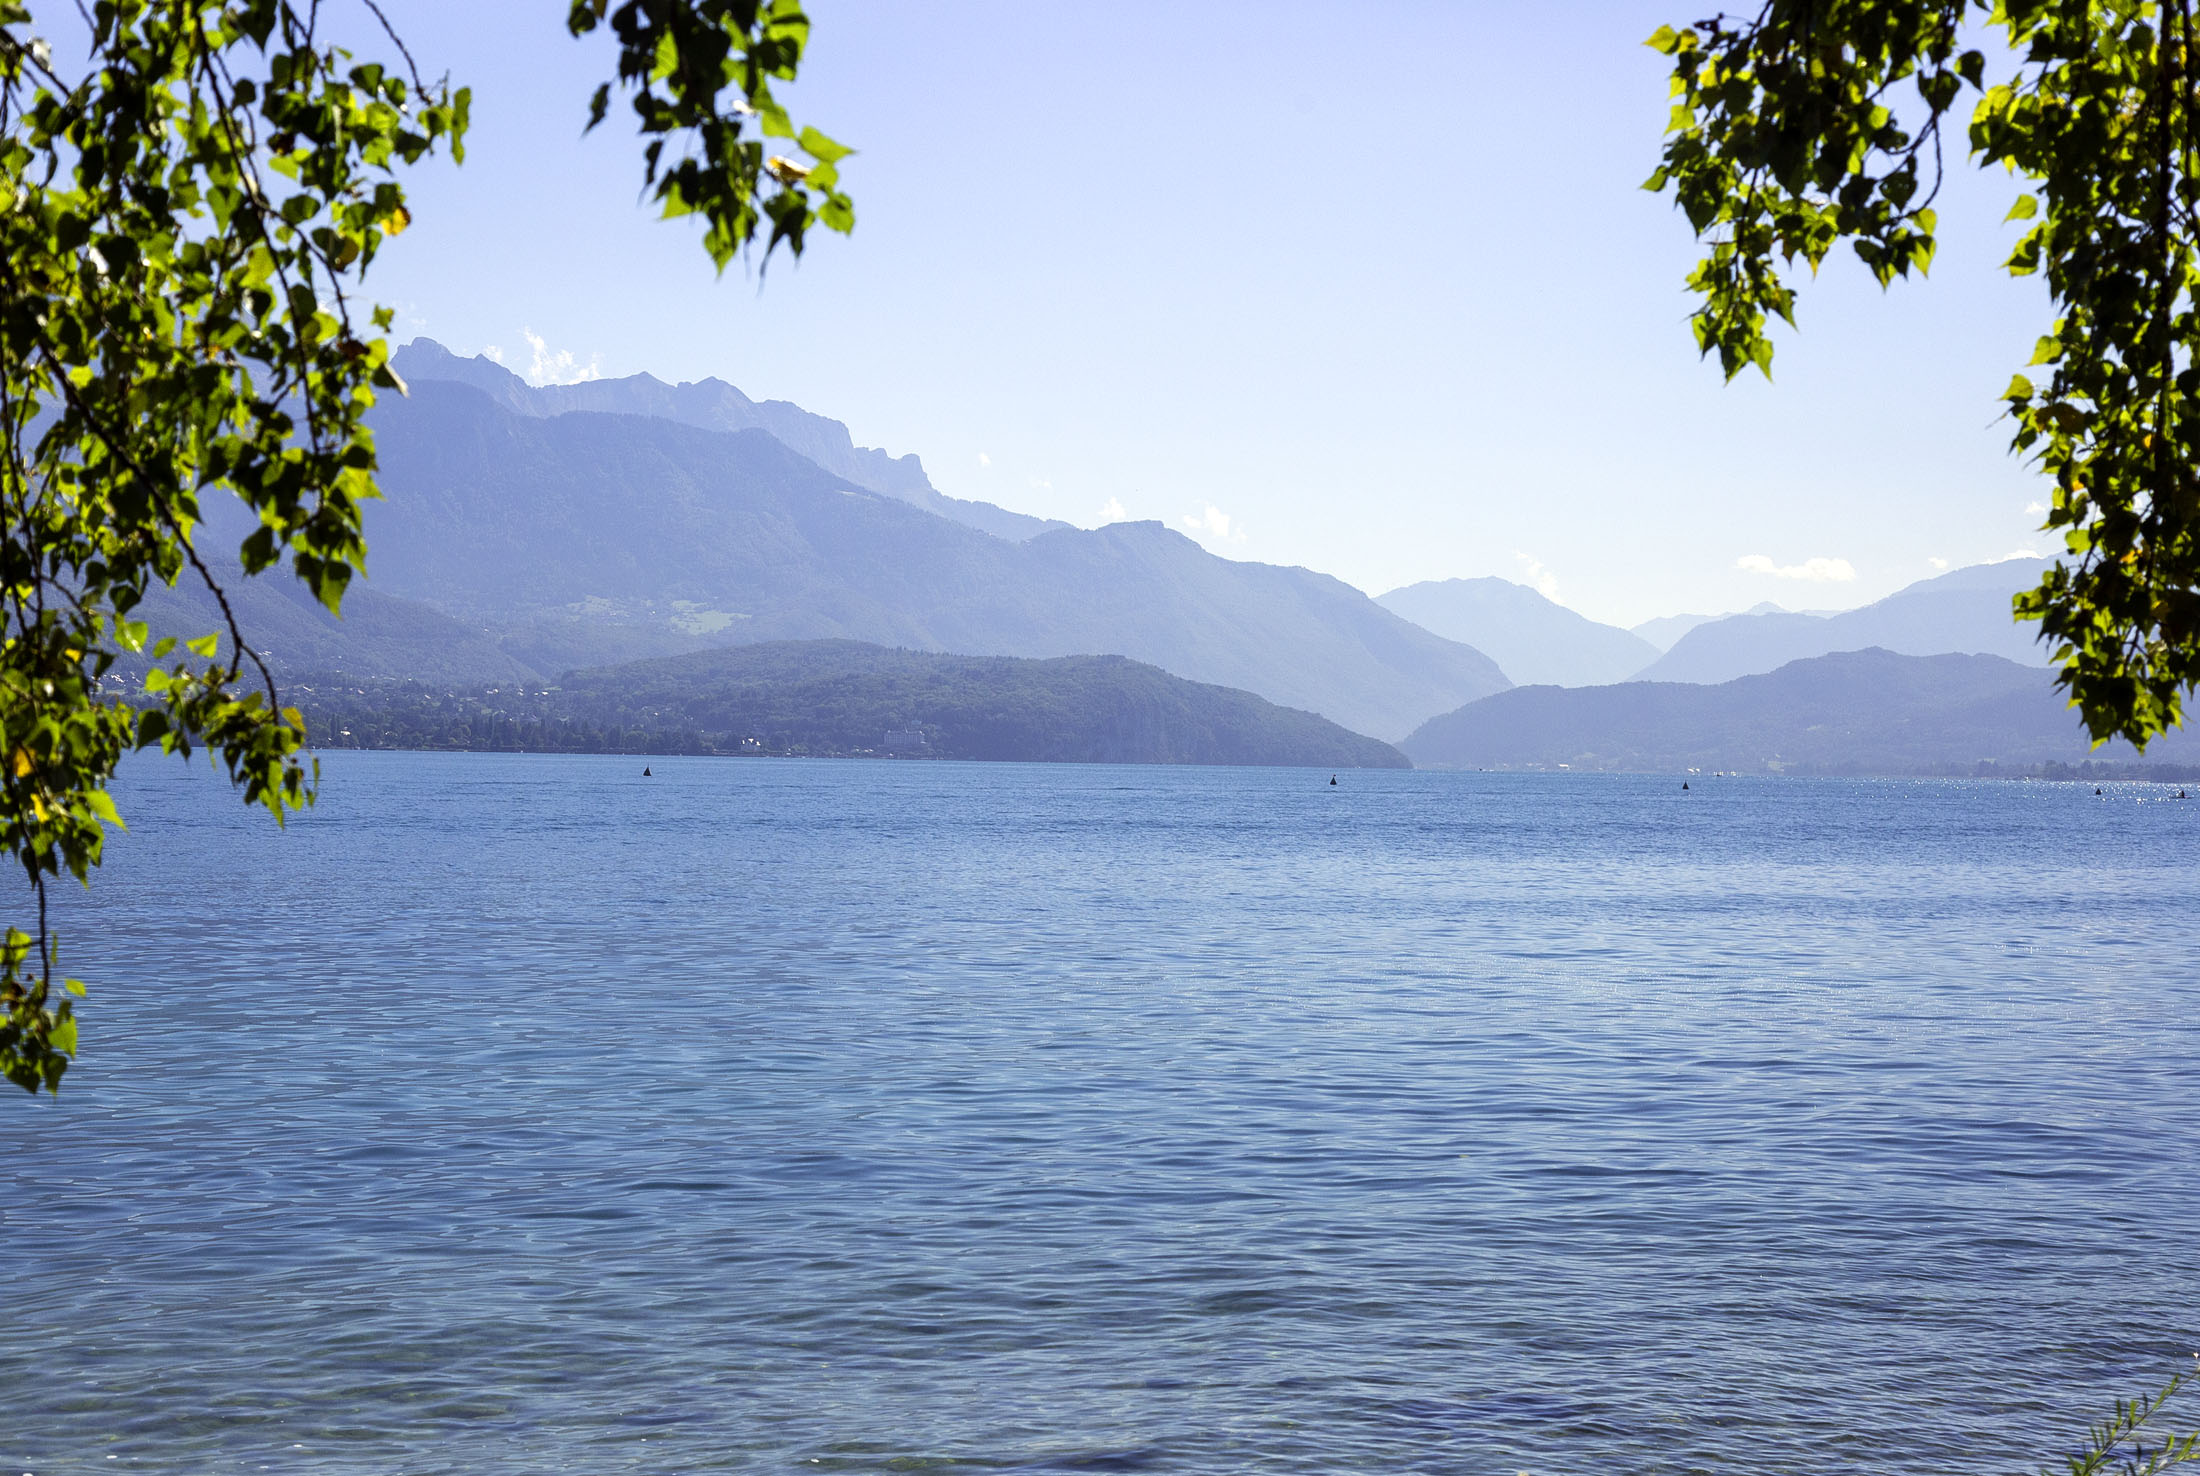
[[494, 354], [1545, 582], [984, 460], [556, 367], [1214, 523], [2035, 509], [1938, 563], [2020, 553], [1041, 484], [1111, 511], [1814, 571]]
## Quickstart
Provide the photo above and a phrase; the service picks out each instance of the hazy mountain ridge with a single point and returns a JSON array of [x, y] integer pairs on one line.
[[713, 404], [587, 537], [1533, 638], [1962, 612], [1664, 630], [1855, 712]]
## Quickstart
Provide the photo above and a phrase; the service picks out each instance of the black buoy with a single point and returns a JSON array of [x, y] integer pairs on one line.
[[2096, 789], [1332, 778], [645, 771], [1684, 784]]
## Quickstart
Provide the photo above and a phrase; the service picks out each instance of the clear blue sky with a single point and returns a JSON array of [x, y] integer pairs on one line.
[[1375, 284]]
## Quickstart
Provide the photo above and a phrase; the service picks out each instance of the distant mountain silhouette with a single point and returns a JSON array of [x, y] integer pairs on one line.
[[1856, 712], [846, 698], [585, 538], [714, 404], [1663, 631], [1964, 612], [1534, 639]]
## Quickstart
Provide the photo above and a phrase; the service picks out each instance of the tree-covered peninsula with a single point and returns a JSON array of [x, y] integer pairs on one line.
[[848, 699]]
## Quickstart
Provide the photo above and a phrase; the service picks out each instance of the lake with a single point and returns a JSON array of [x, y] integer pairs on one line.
[[521, 1114]]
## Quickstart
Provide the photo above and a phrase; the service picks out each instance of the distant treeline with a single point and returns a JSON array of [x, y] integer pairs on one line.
[[511, 719], [844, 699]]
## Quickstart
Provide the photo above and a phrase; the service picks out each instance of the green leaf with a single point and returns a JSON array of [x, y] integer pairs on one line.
[[821, 148]]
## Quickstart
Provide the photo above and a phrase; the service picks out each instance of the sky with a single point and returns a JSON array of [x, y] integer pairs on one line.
[[1369, 289]]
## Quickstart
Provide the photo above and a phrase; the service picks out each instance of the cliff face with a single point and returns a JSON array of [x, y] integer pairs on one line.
[[713, 404]]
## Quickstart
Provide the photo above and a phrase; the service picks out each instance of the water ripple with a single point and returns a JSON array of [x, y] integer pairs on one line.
[[511, 1114]]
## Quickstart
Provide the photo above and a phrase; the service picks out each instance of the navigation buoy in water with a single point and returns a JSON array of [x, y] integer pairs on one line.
[[1684, 784], [2096, 790], [1332, 778], [645, 771]]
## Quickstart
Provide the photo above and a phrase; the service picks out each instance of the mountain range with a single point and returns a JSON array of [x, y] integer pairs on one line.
[[1538, 642], [1863, 712], [1964, 612], [533, 541], [713, 404], [527, 532]]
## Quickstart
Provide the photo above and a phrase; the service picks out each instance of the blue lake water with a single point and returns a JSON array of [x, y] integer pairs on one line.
[[519, 1114]]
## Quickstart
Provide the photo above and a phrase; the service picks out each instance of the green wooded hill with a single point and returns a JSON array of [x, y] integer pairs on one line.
[[846, 698]]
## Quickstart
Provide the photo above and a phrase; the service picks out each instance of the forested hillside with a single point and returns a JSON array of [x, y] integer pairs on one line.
[[843, 698]]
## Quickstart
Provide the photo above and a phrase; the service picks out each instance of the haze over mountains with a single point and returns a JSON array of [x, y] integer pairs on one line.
[[1538, 642], [1664, 630], [1534, 639], [1966, 611], [553, 539], [529, 532], [1855, 712]]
